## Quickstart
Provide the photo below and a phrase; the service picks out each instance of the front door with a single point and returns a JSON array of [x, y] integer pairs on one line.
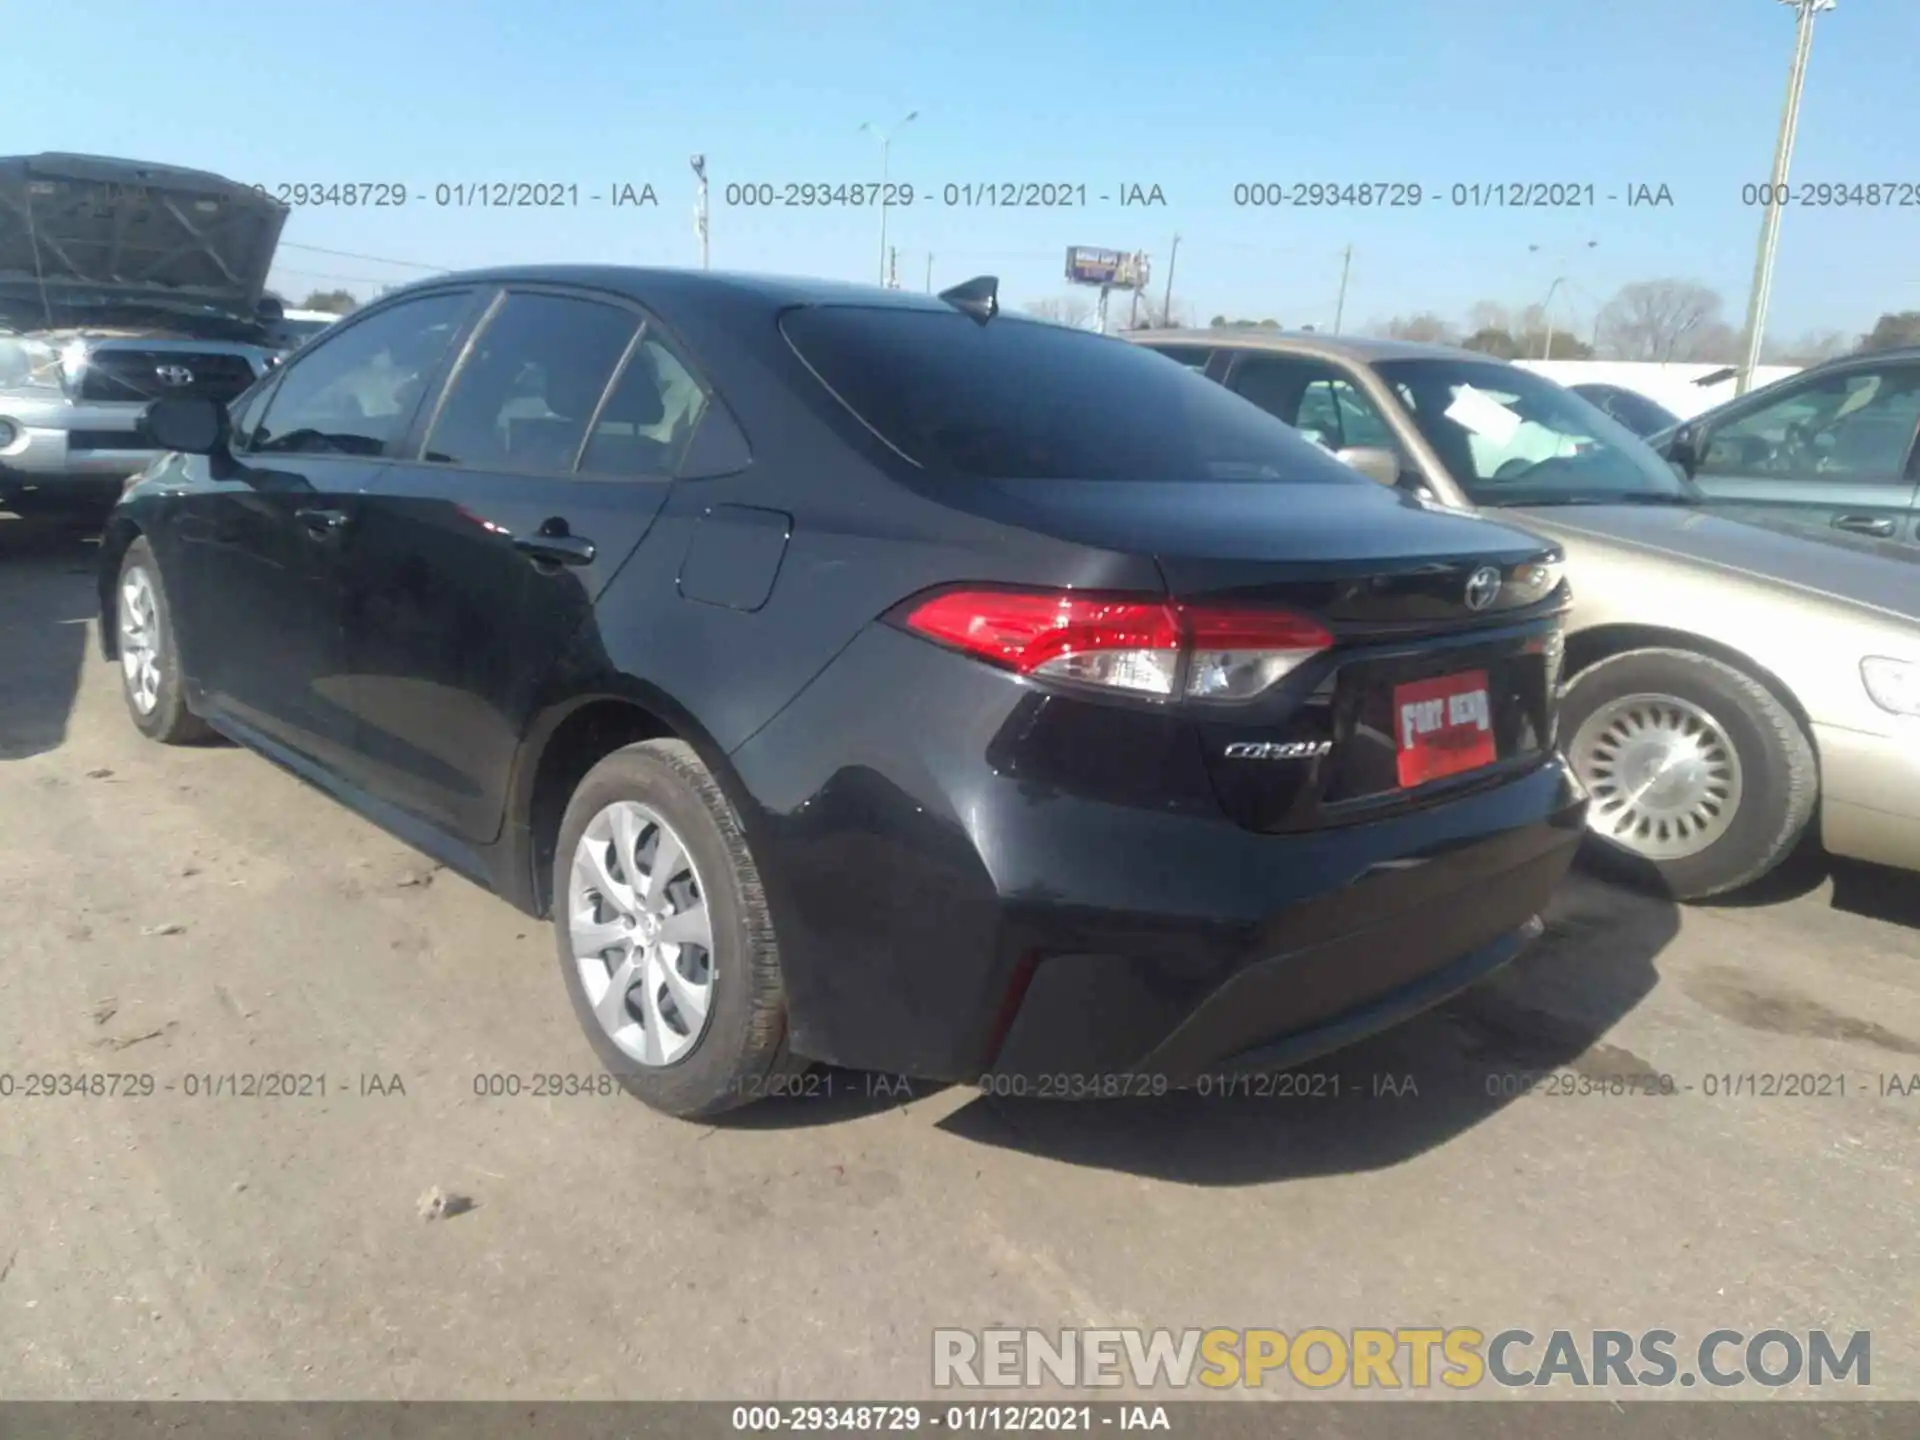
[[1832, 451], [263, 542]]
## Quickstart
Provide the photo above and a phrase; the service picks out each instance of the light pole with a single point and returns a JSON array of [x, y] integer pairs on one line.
[[1762, 290], [886, 144], [1166, 305], [1546, 315], [1546, 305], [699, 163]]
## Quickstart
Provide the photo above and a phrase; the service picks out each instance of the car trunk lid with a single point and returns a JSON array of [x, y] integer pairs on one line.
[[1444, 632]]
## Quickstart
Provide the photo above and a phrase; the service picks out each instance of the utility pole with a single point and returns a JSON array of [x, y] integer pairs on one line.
[[1166, 306], [893, 267], [886, 145], [929, 272], [700, 207], [1762, 291], [1340, 305]]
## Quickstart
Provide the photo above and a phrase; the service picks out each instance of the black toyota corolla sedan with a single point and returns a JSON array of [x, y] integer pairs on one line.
[[864, 677]]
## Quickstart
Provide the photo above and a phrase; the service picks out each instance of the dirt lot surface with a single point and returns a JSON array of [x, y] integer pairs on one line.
[[185, 915]]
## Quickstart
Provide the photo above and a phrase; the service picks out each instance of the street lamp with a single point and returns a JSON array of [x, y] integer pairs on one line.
[[699, 163], [1762, 290], [1546, 306], [886, 144]]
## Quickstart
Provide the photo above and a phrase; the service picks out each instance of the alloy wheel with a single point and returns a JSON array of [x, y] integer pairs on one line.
[[641, 932], [139, 622]]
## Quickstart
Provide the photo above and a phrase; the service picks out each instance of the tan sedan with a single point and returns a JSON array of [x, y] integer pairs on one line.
[[1725, 685]]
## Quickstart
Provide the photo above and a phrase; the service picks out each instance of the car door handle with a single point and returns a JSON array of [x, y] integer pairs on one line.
[[322, 524], [1864, 524], [561, 549]]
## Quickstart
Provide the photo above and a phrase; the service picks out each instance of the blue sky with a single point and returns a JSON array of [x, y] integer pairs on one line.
[[1193, 98]]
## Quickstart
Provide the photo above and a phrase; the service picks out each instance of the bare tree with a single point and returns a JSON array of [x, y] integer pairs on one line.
[[1071, 310], [1155, 316], [1809, 349], [340, 302], [1427, 328], [1892, 330], [1662, 320]]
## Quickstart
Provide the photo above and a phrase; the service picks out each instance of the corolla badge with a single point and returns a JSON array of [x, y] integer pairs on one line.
[[175, 375], [1483, 588], [1279, 749]]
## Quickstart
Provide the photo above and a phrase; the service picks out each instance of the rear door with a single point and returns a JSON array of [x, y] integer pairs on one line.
[[263, 540], [1831, 451], [479, 556]]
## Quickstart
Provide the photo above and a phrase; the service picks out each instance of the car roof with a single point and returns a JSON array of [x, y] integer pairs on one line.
[[1362, 348], [660, 284], [1863, 357]]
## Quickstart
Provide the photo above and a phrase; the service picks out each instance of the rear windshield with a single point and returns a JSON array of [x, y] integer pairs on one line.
[[1019, 399]]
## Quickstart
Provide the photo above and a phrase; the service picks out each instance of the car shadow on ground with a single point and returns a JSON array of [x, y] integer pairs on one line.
[[1538, 1024], [1873, 892], [47, 596]]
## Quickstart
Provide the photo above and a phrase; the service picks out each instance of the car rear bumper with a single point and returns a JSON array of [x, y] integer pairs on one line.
[[945, 912], [1870, 795]]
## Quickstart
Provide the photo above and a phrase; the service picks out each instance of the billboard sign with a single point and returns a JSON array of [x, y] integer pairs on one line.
[[1111, 269]]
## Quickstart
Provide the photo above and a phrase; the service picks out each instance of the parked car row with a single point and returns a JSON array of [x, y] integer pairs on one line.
[[871, 678], [864, 677], [1727, 684]]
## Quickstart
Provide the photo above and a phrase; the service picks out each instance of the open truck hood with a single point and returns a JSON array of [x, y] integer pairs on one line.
[[86, 240]]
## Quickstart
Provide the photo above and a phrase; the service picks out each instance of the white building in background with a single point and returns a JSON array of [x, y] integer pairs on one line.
[[1675, 386]]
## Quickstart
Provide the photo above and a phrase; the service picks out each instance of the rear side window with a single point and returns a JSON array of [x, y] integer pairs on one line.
[[1017, 399], [528, 388], [650, 417]]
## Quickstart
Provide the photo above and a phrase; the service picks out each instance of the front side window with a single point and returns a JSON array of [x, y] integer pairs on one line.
[[248, 408], [354, 393], [1020, 399], [529, 384], [1510, 437], [1852, 426]]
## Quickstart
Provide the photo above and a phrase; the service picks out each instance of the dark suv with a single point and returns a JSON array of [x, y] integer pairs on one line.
[[864, 677]]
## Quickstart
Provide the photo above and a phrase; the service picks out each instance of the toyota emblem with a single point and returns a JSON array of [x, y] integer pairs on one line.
[[175, 375], [1483, 588]]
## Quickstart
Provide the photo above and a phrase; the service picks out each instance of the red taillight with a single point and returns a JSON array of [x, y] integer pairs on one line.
[[1123, 642]]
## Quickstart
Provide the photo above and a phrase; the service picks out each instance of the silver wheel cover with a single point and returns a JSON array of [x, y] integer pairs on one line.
[[139, 626], [1664, 778], [642, 935]]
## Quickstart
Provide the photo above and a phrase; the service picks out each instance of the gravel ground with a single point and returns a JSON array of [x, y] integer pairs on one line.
[[197, 913]]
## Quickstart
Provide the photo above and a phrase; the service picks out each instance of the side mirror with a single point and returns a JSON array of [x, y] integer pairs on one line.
[[1371, 461], [190, 424], [1683, 450]]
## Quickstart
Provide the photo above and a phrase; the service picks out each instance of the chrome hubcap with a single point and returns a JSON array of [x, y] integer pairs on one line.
[[139, 619], [642, 937], [1664, 779]]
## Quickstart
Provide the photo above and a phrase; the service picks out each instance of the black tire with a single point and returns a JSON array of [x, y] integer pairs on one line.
[[1779, 773], [742, 1054], [169, 722]]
